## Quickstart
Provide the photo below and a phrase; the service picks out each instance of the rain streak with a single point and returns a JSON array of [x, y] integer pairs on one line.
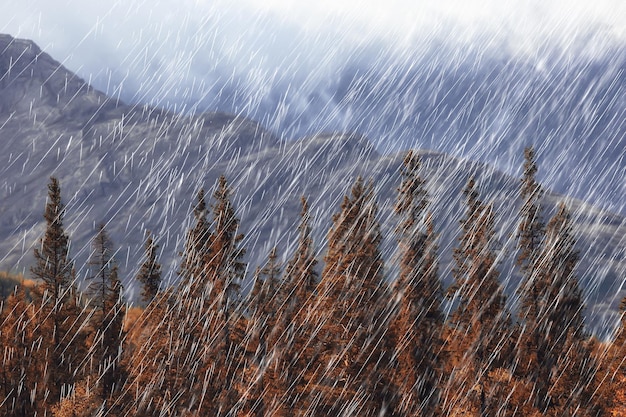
[[318, 210]]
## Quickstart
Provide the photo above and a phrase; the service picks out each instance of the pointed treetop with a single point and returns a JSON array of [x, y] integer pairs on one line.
[[54, 208], [412, 196], [150, 272], [53, 265], [530, 188], [470, 192], [199, 210], [304, 204]]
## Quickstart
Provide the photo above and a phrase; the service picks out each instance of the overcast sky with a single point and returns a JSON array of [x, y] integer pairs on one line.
[[283, 55], [126, 34], [519, 70]]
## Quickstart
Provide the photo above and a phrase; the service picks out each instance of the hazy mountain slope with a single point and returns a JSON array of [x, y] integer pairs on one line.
[[139, 168]]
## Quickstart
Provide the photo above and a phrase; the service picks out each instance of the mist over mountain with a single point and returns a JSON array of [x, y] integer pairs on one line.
[[473, 79], [474, 102], [137, 167]]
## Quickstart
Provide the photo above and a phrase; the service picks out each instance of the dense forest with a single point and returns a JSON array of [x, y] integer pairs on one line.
[[345, 335]]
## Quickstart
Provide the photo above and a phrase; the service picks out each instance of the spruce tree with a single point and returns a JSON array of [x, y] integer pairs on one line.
[[183, 324], [158, 380], [225, 265], [530, 235], [564, 382], [58, 315], [149, 275], [115, 374], [298, 301], [615, 365], [225, 270], [300, 272], [264, 378], [201, 347], [196, 252], [53, 265], [480, 323], [417, 326], [207, 313], [264, 298], [352, 299], [530, 229], [105, 289], [19, 375]]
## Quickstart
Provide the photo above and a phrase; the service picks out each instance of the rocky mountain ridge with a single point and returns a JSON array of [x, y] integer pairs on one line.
[[138, 168]]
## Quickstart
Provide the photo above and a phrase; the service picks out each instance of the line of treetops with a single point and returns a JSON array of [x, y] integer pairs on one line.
[[338, 338]]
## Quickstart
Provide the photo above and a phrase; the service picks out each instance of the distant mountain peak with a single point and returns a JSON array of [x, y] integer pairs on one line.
[[138, 168], [32, 79], [11, 45]]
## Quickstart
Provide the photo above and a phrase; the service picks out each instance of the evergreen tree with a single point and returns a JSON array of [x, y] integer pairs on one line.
[[225, 270], [19, 375], [530, 230], [196, 251], [209, 323], [480, 323], [159, 373], [225, 265], [614, 376], [265, 302], [417, 326], [114, 375], [566, 369], [300, 271], [199, 340], [59, 313], [107, 322], [183, 324], [264, 294], [352, 298], [53, 265], [264, 377], [297, 307], [150, 272], [530, 236]]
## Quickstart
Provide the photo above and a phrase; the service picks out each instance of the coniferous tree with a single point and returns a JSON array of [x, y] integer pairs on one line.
[[157, 375], [265, 374], [352, 299], [199, 347], [150, 272], [115, 374], [265, 290], [417, 326], [19, 376], [211, 324], [58, 315], [107, 322], [614, 378], [265, 301], [296, 325], [530, 235], [300, 272], [196, 251], [225, 268], [565, 380], [53, 265], [225, 265], [480, 323], [530, 231], [178, 329]]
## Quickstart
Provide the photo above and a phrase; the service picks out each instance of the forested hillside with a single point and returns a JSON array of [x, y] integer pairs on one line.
[[363, 329]]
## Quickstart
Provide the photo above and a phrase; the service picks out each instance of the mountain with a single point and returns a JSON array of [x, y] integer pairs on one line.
[[138, 168]]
